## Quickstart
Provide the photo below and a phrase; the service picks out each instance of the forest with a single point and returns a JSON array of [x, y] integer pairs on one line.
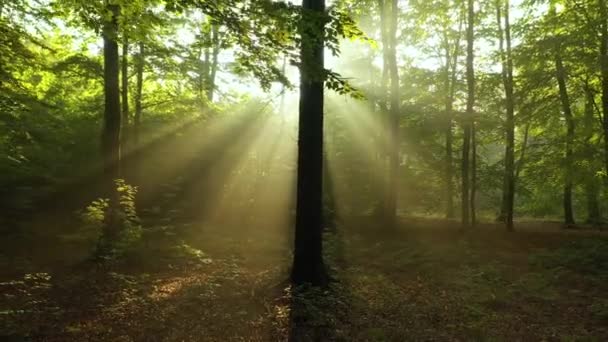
[[314, 170]]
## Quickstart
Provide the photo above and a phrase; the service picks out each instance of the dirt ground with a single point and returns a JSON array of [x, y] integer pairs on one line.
[[425, 280]]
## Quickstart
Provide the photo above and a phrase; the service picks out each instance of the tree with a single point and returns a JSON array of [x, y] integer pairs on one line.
[[507, 75], [466, 194], [588, 152], [389, 21], [139, 86], [451, 65], [604, 73], [560, 75], [124, 88], [308, 266], [112, 115]]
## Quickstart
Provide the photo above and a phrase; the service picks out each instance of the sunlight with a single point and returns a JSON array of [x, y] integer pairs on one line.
[[439, 176]]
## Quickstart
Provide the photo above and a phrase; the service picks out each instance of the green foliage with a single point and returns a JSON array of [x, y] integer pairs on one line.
[[93, 216], [587, 256], [119, 224]]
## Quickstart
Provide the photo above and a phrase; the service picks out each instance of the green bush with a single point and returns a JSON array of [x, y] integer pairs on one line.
[[123, 216]]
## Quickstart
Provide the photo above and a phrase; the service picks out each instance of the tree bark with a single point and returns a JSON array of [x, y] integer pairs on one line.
[[383, 103], [308, 266], [139, 74], [393, 184], [591, 184], [214, 63], [449, 138], [125, 91], [507, 75], [473, 194], [560, 74], [451, 63], [522, 153], [205, 67], [110, 140], [468, 120], [604, 74]]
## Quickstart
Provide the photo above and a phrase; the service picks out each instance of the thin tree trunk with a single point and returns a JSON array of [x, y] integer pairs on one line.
[[139, 74], [507, 74], [125, 91], [450, 87], [200, 81], [449, 137], [503, 205], [384, 145], [563, 91], [522, 153], [604, 74], [560, 74], [468, 121], [591, 184], [204, 76], [473, 174], [214, 63], [391, 209], [308, 266]]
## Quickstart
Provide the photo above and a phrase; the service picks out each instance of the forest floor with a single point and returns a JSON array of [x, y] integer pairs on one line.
[[424, 280]]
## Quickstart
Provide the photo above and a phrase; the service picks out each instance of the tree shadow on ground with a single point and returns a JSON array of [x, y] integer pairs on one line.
[[322, 313]]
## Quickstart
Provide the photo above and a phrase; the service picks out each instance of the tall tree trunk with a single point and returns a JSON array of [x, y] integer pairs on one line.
[[139, 85], [308, 266], [383, 99], [507, 74], [393, 188], [451, 62], [449, 137], [214, 63], [473, 185], [125, 91], [468, 121], [604, 72], [110, 138], [560, 74], [591, 186], [522, 153]]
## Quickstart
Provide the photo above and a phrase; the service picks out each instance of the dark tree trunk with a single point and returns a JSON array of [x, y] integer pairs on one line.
[[308, 266], [604, 72], [473, 174], [507, 74], [393, 184], [522, 153], [383, 99], [125, 91], [591, 183], [468, 121], [139, 85], [449, 138], [451, 64], [110, 140], [560, 74]]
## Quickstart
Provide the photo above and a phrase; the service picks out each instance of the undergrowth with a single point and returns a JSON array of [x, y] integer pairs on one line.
[[120, 219]]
